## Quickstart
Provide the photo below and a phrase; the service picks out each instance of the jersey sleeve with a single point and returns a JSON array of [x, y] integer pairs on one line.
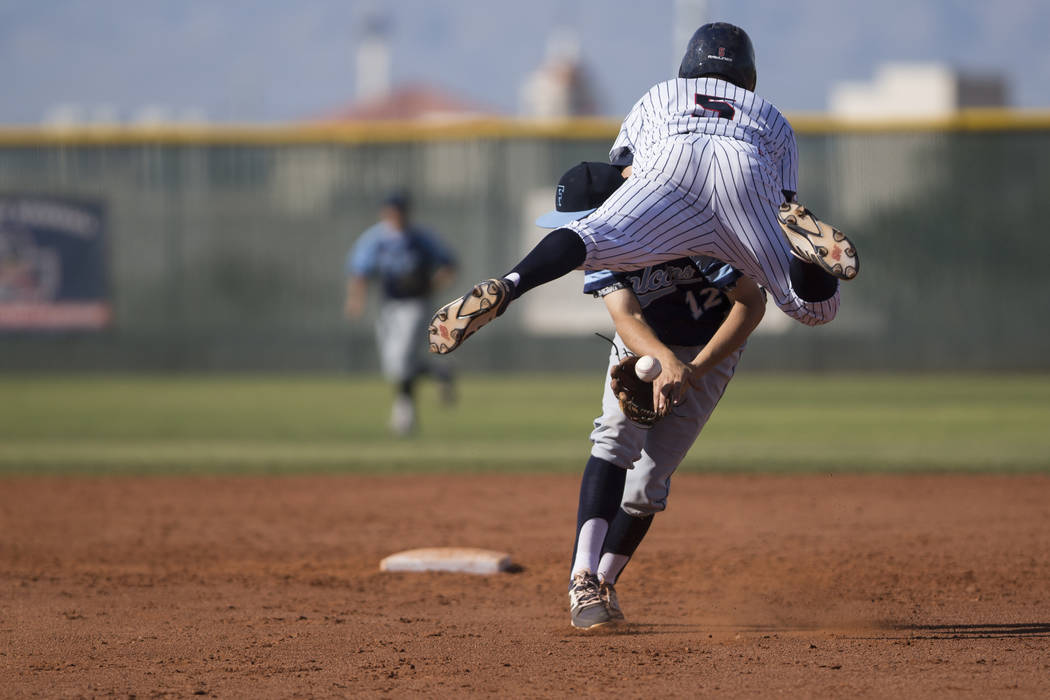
[[601, 282], [363, 256], [789, 162], [622, 152], [718, 274]]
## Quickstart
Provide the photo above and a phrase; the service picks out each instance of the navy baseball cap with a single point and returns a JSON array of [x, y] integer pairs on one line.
[[397, 199], [581, 190]]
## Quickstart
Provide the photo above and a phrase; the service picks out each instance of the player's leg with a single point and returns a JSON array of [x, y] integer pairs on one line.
[[447, 380], [617, 443], [621, 230], [600, 491], [644, 223], [403, 412], [810, 281], [727, 210], [441, 372], [648, 484], [560, 252], [745, 203], [397, 332], [626, 532]]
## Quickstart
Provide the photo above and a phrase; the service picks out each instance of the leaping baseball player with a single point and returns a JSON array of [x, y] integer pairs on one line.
[[691, 312], [712, 171]]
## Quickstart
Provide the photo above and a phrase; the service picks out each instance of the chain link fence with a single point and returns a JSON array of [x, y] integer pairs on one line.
[[225, 249]]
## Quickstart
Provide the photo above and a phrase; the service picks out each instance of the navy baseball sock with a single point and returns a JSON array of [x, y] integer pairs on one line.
[[625, 534], [810, 282], [601, 491], [560, 252]]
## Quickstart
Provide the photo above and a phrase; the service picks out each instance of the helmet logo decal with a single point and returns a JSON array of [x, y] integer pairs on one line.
[[721, 55]]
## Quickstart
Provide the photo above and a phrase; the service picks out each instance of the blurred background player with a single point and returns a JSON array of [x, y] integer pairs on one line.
[[692, 314], [408, 263]]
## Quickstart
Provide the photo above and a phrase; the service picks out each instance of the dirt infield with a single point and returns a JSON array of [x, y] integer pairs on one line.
[[269, 587]]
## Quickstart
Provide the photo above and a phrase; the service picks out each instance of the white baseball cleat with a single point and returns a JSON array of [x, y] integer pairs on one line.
[[586, 608], [818, 242], [461, 318]]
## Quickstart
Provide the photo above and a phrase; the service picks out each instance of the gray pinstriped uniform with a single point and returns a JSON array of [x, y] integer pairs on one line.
[[710, 161]]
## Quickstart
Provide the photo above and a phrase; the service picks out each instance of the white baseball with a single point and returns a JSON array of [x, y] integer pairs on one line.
[[647, 368]]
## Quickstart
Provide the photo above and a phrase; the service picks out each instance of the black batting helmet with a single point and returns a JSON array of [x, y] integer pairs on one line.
[[722, 50]]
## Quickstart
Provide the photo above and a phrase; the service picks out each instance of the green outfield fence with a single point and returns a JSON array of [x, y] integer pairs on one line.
[[226, 245]]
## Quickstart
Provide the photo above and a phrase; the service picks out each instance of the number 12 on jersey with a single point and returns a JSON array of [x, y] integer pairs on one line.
[[711, 299]]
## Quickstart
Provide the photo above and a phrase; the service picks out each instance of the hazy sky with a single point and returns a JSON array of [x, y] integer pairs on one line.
[[267, 60]]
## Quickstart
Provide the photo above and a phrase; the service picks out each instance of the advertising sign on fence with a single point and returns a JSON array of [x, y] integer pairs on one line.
[[52, 265]]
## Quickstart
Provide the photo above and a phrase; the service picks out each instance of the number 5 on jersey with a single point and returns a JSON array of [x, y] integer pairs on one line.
[[721, 106]]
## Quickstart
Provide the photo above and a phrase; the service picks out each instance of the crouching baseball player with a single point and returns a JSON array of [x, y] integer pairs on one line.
[[693, 315]]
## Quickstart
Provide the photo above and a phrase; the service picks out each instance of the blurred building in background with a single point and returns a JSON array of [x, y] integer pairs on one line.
[[561, 87], [378, 98], [418, 102], [901, 94], [916, 91], [372, 58]]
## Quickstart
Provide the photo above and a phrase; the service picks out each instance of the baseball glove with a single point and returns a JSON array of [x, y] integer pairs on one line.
[[634, 395]]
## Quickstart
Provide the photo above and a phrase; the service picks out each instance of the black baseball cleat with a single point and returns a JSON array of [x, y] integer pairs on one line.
[[461, 318], [818, 242], [586, 608]]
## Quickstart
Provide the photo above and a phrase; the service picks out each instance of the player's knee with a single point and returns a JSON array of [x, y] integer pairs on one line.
[[810, 282], [641, 509], [614, 454], [815, 313], [641, 502], [616, 446]]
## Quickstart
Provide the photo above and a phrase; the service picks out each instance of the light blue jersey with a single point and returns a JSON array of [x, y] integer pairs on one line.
[[403, 261]]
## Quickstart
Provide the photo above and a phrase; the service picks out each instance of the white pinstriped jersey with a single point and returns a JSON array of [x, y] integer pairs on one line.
[[711, 162], [684, 110]]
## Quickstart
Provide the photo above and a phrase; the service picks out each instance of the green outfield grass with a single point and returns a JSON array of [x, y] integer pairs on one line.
[[766, 423]]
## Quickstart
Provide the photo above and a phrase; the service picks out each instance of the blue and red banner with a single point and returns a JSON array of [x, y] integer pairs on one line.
[[53, 273]]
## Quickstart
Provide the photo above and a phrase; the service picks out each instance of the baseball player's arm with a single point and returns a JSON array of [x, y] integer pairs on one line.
[[749, 304], [640, 339], [356, 294], [360, 264]]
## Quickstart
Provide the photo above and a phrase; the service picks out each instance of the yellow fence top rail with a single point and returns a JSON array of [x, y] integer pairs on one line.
[[469, 129]]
